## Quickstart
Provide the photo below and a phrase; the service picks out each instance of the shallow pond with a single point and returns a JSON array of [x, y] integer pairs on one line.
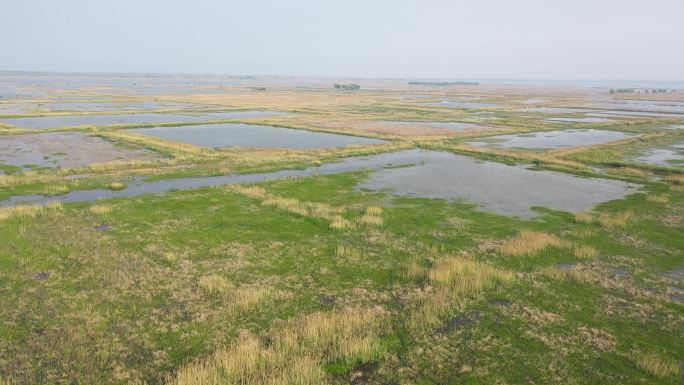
[[509, 190], [552, 139], [64, 149], [46, 122], [447, 125], [622, 114], [645, 105], [673, 156], [457, 104], [114, 106], [254, 135]]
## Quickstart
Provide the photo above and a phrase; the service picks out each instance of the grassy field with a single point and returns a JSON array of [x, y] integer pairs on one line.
[[312, 280]]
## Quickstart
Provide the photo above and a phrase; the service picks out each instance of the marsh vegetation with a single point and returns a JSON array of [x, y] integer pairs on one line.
[[399, 252]]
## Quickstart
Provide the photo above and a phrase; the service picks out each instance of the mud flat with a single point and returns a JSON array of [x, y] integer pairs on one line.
[[64, 149], [253, 135], [552, 139]]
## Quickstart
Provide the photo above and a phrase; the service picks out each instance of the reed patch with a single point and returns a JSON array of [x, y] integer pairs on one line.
[[658, 366], [606, 220], [30, 211], [455, 279], [335, 216], [295, 354], [527, 243], [100, 209]]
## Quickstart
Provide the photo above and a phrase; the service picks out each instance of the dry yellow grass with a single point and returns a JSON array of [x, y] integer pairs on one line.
[[100, 209], [528, 242], [676, 179], [178, 149], [585, 218], [455, 278], [615, 220], [659, 198], [29, 210], [340, 223], [116, 186], [585, 252], [307, 209], [372, 216], [118, 165], [296, 353], [238, 298], [215, 284], [57, 189], [658, 366], [415, 271], [347, 252], [606, 220], [171, 256]]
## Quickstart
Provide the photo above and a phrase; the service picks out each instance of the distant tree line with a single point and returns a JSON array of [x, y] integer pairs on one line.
[[348, 86], [621, 91], [443, 84]]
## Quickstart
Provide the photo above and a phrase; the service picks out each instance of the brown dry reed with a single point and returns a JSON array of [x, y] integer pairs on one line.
[[455, 279], [31, 211], [658, 366], [333, 215], [528, 242], [295, 354]]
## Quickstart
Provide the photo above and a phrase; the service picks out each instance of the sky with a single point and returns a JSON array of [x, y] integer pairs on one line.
[[485, 39]]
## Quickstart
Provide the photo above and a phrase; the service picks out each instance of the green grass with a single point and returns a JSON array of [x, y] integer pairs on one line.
[[221, 284], [132, 302]]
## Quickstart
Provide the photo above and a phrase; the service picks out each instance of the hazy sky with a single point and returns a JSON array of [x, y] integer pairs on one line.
[[523, 39]]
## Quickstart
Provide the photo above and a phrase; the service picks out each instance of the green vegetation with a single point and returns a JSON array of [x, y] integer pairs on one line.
[[314, 281], [207, 273]]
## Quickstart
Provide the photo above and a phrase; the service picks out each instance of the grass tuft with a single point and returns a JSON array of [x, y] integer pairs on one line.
[[585, 252], [658, 366], [306, 209], [606, 220], [527, 243], [372, 216], [295, 354], [116, 186], [215, 284], [31, 211], [455, 278], [347, 252], [57, 189], [615, 220], [661, 198], [100, 209]]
